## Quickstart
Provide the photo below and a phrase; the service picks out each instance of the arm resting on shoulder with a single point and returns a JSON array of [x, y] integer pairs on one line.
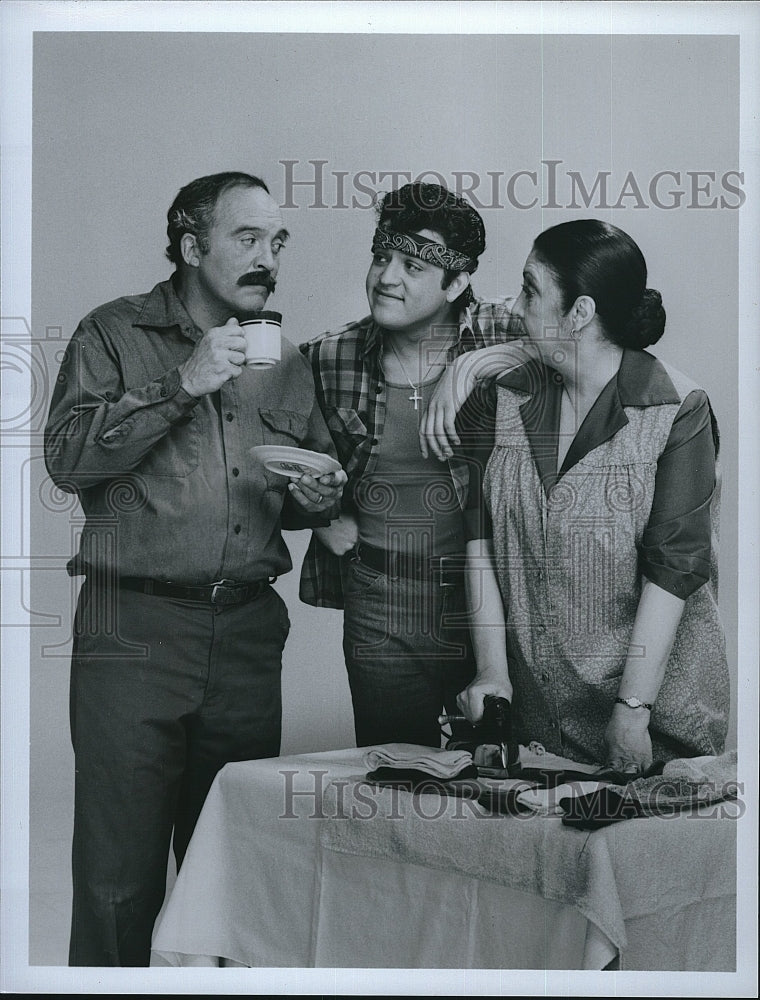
[[437, 425]]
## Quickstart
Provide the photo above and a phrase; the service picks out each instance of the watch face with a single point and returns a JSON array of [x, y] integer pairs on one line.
[[633, 702]]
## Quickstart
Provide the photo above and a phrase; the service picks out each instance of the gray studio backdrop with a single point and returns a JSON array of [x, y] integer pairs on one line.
[[527, 124]]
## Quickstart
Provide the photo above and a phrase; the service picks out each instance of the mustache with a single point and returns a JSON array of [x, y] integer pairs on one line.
[[258, 277]]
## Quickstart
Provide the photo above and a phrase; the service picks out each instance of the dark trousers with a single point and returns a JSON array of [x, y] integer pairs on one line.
[[163, 694], [408, 654]]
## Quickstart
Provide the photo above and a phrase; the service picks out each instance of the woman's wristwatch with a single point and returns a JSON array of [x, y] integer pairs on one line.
[[633, 703]]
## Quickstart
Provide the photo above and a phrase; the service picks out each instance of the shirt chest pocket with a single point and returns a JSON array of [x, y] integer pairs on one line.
[[283, 427]]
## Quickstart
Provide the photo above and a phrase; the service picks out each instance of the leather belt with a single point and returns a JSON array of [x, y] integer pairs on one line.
[[221, 592], [447, 570]]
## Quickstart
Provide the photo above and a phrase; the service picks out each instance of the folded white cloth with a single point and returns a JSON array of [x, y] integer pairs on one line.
[[545, 801], [439, 763]]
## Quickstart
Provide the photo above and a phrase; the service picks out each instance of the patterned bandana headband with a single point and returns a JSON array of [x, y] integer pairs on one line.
[[427, 250]]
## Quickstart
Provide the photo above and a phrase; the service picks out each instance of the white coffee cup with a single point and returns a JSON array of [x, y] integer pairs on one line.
[[262, 339]]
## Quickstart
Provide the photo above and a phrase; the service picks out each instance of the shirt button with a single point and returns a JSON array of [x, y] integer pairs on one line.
[[237, 529], [378, 388], [236, 472], [228, 416], [374, 441]]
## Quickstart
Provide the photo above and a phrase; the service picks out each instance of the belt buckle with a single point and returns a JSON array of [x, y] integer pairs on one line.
[[216, 586], [445, 569]]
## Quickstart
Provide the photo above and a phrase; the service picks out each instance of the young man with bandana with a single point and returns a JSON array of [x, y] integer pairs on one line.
[[393, 560]]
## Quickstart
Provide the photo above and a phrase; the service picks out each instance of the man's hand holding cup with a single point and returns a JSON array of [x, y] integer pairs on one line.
[[218, 357]]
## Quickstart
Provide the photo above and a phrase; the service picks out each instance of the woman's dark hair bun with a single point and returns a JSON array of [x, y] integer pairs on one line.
[[594, 258], [647, 321]]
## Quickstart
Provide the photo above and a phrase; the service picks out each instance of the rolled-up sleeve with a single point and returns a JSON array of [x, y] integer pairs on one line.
[[675, 548], [475, 428]]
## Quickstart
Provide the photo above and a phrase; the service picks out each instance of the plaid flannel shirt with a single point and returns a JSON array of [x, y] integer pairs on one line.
[[350, 387]]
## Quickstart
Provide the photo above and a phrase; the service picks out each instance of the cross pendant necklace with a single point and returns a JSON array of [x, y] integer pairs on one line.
[[415, 398]]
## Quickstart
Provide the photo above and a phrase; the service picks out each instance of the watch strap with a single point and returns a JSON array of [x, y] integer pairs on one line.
[[633, 703]]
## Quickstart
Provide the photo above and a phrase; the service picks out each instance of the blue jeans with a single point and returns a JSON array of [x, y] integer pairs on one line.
[[408, 654], [164, 692]]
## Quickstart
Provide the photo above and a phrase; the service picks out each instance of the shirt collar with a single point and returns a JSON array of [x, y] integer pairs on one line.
[[374, 336], [163, 309], [641, 380]]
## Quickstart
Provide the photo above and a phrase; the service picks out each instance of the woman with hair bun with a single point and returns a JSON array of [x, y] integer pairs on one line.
[[593, 526]]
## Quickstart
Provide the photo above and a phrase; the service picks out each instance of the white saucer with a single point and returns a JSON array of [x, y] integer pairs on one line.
[[293, 462]]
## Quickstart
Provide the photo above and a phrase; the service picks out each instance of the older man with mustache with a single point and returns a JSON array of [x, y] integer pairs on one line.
[[178, 633]]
